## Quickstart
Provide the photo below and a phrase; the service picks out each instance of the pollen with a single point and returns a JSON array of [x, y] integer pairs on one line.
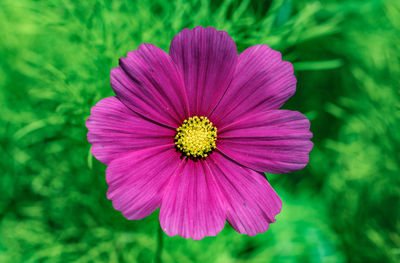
[[196, 137]]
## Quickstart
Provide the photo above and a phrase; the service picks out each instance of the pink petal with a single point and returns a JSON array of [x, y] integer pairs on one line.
[[276, 141], [147, 81], [191, 206], [137, 180], [207, 58], [250, 203], [262, 81], [114, 129]]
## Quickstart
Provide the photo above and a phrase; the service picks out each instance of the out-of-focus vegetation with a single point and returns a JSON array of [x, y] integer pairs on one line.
[[55, 58]]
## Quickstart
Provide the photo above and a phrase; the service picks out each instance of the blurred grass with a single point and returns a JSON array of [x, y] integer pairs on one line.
[[55, 58]]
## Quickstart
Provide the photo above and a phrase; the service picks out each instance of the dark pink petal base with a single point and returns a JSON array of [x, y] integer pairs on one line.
[[115, 130], [275, 141]]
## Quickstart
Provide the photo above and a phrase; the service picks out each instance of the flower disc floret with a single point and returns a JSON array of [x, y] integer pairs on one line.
[[196, 137]]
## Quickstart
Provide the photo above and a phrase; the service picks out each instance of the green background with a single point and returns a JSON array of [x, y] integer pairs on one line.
[[55, 59]]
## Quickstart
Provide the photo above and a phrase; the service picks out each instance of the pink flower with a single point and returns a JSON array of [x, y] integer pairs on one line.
[[193, 132]]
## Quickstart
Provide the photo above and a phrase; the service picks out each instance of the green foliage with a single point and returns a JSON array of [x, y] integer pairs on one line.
[[54, 66]]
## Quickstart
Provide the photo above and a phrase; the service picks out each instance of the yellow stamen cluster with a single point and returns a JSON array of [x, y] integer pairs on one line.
[[196, 137]]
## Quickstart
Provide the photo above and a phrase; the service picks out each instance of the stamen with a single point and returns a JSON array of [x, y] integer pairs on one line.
[[196, 137]]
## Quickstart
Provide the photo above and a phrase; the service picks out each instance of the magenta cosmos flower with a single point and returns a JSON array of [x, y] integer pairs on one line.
[[193, 132]]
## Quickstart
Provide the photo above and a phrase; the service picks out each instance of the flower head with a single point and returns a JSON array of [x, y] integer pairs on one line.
[[194, 131]]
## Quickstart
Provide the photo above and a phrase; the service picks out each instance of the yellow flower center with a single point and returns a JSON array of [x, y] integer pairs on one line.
[[196, 137]]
